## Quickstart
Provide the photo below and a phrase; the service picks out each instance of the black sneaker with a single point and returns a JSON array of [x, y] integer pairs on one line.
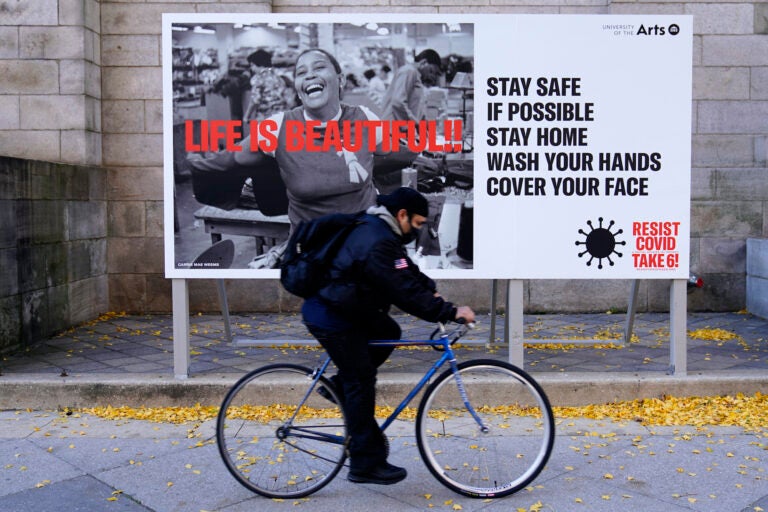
[[382, 474], [323, 392]]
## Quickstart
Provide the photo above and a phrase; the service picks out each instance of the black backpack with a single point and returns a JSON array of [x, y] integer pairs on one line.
[[311, 249]]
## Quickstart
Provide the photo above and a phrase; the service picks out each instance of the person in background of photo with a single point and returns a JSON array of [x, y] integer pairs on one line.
[[316, 182], [268, 89], [404, 98], [351, 83], [384, 74], [377, 86]]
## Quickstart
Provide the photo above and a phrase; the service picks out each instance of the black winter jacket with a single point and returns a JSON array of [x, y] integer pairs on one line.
[[372, 271]]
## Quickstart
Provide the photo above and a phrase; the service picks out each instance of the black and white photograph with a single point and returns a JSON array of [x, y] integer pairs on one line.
[[237, 198]]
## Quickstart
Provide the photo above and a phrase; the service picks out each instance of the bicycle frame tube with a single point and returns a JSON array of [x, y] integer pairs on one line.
[[315, 379], [443, 343], [448, 355], [308, 433]]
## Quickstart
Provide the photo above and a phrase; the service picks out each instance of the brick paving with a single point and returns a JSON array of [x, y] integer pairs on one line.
[[143, 344]]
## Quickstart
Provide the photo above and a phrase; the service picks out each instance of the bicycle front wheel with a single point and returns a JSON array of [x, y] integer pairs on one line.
[[502, 455], [277, 438]]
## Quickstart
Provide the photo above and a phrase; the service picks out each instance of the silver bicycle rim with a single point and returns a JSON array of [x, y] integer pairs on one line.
[[264, 456], [479, 464]]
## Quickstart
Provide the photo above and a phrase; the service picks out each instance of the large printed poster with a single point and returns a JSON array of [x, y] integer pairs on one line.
[[548, 146]]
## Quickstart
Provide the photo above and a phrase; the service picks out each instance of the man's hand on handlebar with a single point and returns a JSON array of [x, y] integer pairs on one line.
[[464, 314]]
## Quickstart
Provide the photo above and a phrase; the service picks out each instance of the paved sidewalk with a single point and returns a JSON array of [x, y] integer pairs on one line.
[[143, 345], [128, 360], [53, 462]]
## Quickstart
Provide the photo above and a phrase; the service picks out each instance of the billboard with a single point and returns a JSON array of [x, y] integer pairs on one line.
[[549, 146]]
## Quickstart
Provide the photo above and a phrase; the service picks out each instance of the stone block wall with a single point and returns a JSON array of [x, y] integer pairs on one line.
[[50, 80], [80, 81], [52, 248]]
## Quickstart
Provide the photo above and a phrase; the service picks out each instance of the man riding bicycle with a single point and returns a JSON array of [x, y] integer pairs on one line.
[[370, 273]]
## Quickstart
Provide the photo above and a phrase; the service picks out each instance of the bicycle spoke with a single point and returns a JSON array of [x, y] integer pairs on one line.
[[469, 460], [268, 455]]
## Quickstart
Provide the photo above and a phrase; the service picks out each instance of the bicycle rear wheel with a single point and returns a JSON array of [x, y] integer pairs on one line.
[[273, 447], [492, 463]]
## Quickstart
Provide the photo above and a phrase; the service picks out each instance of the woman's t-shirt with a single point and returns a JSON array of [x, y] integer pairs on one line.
[[323, 182]]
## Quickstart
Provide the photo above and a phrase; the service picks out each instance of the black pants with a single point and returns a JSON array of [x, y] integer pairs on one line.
[[357, 363]]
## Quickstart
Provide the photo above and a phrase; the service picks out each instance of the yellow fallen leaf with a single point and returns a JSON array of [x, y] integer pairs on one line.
[[428, 496], [608, 476]]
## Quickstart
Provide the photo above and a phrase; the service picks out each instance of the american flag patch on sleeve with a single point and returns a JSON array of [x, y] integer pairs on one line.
[[401, 263]]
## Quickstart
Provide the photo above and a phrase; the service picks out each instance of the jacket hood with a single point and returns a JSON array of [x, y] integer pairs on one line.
[[382, 213]]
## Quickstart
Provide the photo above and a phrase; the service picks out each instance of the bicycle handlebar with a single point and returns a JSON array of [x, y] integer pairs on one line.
[[455, 334]]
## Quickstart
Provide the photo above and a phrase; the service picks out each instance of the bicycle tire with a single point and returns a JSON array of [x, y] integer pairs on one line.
[[506, 458], [262, 451]]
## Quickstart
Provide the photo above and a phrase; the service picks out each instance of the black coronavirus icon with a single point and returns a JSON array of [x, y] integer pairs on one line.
[[600, 243]]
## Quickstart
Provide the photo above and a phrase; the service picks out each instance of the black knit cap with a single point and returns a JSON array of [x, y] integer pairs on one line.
[[407, 199]]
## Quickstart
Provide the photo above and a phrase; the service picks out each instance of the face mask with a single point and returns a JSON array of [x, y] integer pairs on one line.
[[412, 235]]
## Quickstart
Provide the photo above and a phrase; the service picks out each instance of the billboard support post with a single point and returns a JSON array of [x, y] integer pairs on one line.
[[514, 317], [629, 324], [180, 291], [678, 313]]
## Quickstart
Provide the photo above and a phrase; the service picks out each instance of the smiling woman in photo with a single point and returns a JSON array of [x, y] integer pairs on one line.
[[317, 182]]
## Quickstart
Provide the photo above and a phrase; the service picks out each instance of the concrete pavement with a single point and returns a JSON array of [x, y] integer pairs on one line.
[[53, 462], [128, 360]]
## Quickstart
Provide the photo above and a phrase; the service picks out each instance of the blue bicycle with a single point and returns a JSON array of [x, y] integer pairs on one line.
[[484, 428]]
